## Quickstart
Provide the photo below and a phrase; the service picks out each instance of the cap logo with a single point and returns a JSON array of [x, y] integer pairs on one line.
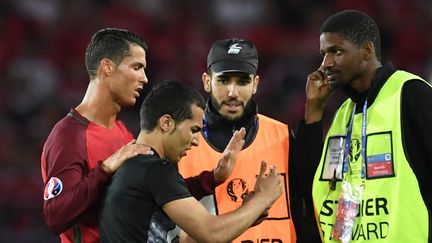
[[234, 49]]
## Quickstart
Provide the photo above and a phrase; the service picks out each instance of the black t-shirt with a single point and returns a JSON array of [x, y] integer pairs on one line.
[[132, 205]]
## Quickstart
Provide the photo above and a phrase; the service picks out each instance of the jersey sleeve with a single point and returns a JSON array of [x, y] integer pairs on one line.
[[165, 183], [202, 185], [70, 187]]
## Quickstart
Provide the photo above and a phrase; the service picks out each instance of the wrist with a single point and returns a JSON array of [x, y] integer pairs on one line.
[[261, 199], [217, 179], [106, 168], [314, 111]]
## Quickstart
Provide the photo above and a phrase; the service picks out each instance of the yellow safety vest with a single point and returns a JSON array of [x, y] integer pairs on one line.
[[392, 208]]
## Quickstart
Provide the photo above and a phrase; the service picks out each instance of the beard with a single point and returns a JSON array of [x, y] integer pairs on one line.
[[218, 106]]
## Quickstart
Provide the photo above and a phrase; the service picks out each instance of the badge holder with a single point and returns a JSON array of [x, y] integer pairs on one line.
[[347, 210]]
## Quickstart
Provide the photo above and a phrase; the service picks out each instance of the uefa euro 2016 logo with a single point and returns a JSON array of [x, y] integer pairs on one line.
[[237, 190], [355, 150], [53, 188]]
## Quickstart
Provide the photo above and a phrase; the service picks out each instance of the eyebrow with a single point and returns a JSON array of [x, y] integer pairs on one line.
[[331, 48]]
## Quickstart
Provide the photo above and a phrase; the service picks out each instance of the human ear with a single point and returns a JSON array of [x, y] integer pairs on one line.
[[206, 78], [255, 84], [166, 123], [368, 49], [107, 66]]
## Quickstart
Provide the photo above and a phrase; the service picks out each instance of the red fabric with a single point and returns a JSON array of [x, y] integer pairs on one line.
[[71, 153]]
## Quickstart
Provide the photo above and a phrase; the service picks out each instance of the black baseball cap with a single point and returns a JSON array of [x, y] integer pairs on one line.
[[233, 55]]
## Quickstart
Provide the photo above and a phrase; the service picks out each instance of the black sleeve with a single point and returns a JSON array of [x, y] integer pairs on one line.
[[305, 154], [165, 183], [417, 133]]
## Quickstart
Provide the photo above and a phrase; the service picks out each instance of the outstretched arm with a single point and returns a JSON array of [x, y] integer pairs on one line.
[[205, 183], [200, 225], [226, 164]]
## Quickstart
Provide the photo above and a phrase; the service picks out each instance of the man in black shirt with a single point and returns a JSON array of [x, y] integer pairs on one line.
[[147, 197]]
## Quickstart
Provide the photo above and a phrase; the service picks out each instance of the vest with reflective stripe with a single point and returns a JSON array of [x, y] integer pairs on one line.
[[272, 145], [392, 208]]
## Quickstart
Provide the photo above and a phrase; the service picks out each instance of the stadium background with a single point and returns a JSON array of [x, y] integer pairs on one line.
[[42, 71]]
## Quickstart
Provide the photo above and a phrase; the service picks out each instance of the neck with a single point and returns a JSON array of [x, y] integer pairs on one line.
[[97, 106], [153, 139], [364, 83]]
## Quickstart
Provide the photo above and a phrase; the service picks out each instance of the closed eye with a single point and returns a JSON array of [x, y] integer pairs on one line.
[[196, 129]]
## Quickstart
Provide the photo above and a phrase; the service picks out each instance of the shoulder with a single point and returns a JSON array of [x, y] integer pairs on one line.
[[265, 119], [415, 90], [417, 85], [67, 131], [120, 124], [152, 163]]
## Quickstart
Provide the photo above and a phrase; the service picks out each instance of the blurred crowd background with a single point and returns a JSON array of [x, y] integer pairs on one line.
[[42, 71]]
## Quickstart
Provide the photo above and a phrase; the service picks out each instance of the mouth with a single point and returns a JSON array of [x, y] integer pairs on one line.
[[138, 91], [331, 76], [232, 106]]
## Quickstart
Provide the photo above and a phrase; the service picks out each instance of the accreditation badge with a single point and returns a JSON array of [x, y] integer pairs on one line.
[[380, 161], [333, 158], [347, 209]]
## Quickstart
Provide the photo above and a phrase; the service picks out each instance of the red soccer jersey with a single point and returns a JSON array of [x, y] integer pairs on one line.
[[73, 176]]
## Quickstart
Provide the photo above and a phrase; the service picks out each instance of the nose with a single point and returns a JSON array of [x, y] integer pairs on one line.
[[327, 62], [195, 140], [144, 78], [232, 90]]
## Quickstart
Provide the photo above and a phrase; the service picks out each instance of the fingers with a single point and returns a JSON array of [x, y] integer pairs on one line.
[[132, 149], [142, 149], [321, 71], [242, 132], [273, 170], [263, 169], [226, 155], [131, 142], [319, 77], [238, 137]]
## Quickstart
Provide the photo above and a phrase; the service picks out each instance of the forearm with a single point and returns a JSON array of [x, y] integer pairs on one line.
[[314, 111], [306, 156], [227, 227], [199, 224], [78, 194], [202, 185], [185, 238], [308, 150]]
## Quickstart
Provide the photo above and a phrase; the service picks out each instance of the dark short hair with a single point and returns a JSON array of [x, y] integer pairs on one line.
[[169, 97], [111, 43], [356, 27]]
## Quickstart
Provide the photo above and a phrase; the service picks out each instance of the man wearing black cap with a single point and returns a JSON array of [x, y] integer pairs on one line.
[[232, 80]]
